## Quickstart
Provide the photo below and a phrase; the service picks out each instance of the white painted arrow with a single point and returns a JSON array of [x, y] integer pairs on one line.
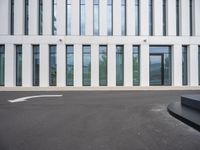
[[22, 99]]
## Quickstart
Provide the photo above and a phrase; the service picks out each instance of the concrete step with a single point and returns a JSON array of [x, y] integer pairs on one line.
[[192, 101]]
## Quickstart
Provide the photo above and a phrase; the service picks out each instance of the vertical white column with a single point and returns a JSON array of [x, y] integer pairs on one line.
[[184, 19], [144, 65], [193, 65], [171, 17], [19, 17], [61, 16], [117, 17], [47, 17], [4, 17], [44, 65], [158, 17], [33, 17], [61, 65], [10, 64], [95, 65], [130, 11], [111, 65], [196, 17], [177, 65], [89, 17], [75, 18], [77, 65], [103, 17], [128, 65], [144, 17], [27, 65]]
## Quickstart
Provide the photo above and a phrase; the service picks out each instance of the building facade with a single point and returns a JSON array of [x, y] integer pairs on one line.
[[99, 43]]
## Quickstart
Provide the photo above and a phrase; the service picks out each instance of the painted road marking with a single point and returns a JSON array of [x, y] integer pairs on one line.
[[23, 99]]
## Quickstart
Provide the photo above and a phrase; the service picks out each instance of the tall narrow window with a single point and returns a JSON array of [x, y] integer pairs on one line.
[[52, 65], [151, 17], [40, 18], [54, 17], [191, 17], [82, 17], [184, 65], [18, 65], [2, 64], [120, 65], [137, 17], [86, 65], [12, 17], [26, 17], [136, 65], [96, 17], [68, 16], [177, 17], [199, 65], [110, 17], [69, 65], [103, 65], [164, 18], [36, 65], [123, 17]]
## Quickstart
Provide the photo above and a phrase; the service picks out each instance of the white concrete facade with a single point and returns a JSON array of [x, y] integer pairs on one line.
[[144, 41]]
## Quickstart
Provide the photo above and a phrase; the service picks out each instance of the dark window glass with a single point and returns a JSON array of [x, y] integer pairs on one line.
[[52, 65], [150, 17], [36, 65], [82, 17], [54, 17], [86, 65], [2, 64], [123, 17], [184, 65], [68, 17], [26, 17], [137, 17], [164, 18], [199, 65], [120, 65], [110, 17], [69, 65], [18, 65], [136, 65], [12, 18], [191, 17], [103, 65], [177, 17], [40, 18], [96, 17]]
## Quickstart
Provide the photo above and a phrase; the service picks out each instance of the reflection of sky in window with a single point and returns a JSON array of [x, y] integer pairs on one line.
[[69, 17], [110, 17], [82, 19], [96, 17]]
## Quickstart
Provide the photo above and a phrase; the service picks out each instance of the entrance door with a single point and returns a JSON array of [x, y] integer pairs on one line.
[[156, 69]]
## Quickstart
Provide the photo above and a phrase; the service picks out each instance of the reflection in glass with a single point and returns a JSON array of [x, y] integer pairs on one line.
[[18, 65], [36, 65], [120, 65], [150, 17], [103, 65], [164, 18], [123, 17], [40, 18], [54, 17], [68, 16], [191, 17], [177, 17], [184, 66], [82, 17], [26, 18], [199, 65], [96, 17], [2, 64], [52, 65], [12, 17], [86, 65], [137, 17], [69, 65], [136, 65], [110, 17]]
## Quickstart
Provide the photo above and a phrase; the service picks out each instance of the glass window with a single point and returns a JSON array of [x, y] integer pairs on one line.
[[70, 65], [54, 17], [86, 65], [136, 65], [110, 17], [191, 17], [36, 65], [137, 17], [40, 17], [96, 17], [26, 19], [52, 65], [82, 17], [18, 65], [164, 18], [151, 17], [120, 65], [12, 17], [103, 65], [199, 65], [123, 17], [69, 16], [177, 17], [2, 64], [184, 65]]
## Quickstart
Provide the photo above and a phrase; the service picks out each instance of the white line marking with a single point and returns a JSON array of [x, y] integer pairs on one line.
[[23, 99]]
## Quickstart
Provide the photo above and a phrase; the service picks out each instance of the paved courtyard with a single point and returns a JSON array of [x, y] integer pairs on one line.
[[89, 120]]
